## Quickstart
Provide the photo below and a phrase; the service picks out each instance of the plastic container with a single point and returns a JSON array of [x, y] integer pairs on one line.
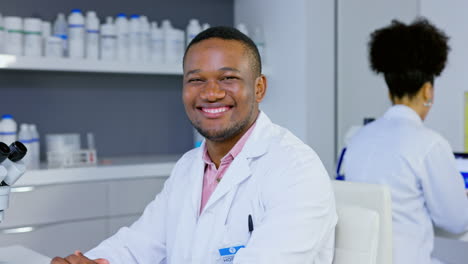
[[54, 47], [61, 31], [180, 45], [76, 30], [193, 29], [259, 40], [242, 28], [121, 24], [63, 142], [145, 39], [35, 147], [92, 36], [63, 150], [157, 44], [205, 26], [13, 35], [25, 137], [134, 38], [32, 37], [46, 32], [170, 42], [108, 42], [2, 34], [8, 129]]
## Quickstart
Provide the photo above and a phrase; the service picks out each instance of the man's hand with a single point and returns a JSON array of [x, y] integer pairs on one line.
[[78, 258]]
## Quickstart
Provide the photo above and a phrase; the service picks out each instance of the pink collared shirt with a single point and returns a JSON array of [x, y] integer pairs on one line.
[[213, 175]]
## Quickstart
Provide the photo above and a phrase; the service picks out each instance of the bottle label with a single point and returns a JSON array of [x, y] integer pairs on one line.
[[15, 31], [76, 26], [7, 133], [32, 33]]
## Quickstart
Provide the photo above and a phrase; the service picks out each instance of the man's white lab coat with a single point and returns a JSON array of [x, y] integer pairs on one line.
[[276, 179]]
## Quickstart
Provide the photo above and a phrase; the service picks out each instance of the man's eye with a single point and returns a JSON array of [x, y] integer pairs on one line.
[[195, 80], [230, 78]]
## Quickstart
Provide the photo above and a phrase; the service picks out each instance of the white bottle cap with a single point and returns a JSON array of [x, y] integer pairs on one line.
[[166, 24], [243, 28], [91, 14], [205, 26], [13, 23], [194, 21], [32, 25]]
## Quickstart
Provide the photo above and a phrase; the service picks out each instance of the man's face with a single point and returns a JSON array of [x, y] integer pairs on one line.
[[221, 92]]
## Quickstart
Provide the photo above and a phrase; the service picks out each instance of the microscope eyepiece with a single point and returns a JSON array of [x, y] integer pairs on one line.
[[17, 151], [4, 151]]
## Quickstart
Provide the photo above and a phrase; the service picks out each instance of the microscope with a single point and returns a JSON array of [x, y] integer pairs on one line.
[[11, 169]]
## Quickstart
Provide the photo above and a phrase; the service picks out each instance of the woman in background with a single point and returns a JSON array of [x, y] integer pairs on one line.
[[397, 150]]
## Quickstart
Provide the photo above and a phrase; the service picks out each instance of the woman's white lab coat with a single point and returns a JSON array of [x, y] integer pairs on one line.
[[419, 167], [276, 179]]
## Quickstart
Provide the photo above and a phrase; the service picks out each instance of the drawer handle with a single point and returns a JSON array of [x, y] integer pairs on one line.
[[22, 189], [25, 229]]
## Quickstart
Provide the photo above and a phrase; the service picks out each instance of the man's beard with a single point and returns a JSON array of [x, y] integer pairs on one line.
[[228, 133], [220, 136]]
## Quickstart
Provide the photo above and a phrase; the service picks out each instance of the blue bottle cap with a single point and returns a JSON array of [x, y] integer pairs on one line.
[[135, 16], [7, 116], [76, 10], [121, 15]]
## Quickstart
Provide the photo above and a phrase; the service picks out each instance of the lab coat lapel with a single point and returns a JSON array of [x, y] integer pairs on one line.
[[238, 171], [198, 169]]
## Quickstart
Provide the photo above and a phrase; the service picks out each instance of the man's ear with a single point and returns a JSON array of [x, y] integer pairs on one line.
[[260, 88]]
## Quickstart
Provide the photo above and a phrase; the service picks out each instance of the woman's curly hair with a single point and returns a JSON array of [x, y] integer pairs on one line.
[[408, 55]]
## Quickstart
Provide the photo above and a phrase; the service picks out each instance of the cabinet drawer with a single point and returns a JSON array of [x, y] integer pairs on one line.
[[55, 203], [115, 223], [132, 196], [59, 239]]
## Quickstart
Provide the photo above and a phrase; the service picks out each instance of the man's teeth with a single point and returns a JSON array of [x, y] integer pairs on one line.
[[215, 110]]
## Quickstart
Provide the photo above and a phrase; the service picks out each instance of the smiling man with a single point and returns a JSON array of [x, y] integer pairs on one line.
[[252, 193]]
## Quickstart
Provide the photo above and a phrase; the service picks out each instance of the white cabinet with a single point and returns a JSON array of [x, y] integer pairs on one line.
[[56, 203], [57, 219], [131, 196], [59, 239]]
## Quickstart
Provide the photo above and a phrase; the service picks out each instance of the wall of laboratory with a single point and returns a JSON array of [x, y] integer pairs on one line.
[[300, 56], [447, 114], [361, 93], [129, 114]]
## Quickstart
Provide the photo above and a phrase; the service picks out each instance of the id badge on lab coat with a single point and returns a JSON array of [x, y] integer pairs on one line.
[[228, 254]]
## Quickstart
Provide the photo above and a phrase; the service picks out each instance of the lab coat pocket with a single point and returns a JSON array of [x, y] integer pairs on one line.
[[241, 223]]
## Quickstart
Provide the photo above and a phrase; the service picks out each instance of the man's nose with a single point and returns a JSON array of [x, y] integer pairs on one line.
[[212, 92]]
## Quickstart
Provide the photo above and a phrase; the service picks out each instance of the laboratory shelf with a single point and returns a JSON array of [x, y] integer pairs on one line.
[[11, 62]]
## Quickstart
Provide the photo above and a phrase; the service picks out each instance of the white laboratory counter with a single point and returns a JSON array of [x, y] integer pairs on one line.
[[20, 255], [108, 169], [49, 207]]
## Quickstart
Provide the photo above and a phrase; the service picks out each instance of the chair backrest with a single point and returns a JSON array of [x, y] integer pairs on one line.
[[365, 222]]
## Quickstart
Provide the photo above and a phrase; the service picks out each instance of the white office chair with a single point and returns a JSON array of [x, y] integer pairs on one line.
[[364, 229]]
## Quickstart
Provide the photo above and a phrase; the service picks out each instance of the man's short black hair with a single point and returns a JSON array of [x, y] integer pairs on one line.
[[408, 55], [229, 33]]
